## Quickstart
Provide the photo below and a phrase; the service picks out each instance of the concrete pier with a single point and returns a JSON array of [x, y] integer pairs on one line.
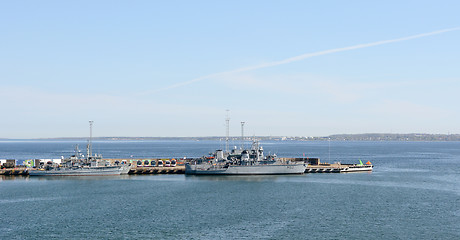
[[314, 165], [338, 168], [157, 170], [152, 166]]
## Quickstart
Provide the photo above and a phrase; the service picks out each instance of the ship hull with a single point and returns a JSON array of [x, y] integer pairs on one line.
[[88, 171], [275, 169]]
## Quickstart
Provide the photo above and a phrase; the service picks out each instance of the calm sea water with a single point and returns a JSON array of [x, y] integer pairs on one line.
[[413, 193]]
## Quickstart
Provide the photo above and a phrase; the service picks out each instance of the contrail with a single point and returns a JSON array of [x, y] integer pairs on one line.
[[299, 58]]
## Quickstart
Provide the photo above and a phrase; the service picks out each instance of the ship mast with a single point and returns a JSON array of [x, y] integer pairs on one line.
[[90, 147], [77, 152], [227, 131], [242, 135]]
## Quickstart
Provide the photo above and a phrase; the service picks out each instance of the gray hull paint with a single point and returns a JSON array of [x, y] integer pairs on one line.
[[88, 171], [275, 169]]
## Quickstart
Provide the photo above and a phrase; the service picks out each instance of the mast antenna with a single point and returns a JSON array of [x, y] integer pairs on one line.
[[227, 130], [242, 135], [90, 138]]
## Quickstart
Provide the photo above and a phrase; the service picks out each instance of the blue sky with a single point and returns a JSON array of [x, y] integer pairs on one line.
[[173, 68]]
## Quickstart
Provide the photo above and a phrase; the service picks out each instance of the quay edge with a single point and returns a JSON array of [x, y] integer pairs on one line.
[[312, 165]]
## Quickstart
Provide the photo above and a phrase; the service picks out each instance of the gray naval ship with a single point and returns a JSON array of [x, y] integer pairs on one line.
[[79, 165], [242, 162]]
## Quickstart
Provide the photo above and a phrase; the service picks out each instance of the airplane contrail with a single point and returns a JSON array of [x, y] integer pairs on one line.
[[299, 58]]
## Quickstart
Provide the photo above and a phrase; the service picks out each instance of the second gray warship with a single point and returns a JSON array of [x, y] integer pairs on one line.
[[242, 162]]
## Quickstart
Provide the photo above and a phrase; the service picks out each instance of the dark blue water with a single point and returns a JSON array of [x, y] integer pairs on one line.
[[413, 193]]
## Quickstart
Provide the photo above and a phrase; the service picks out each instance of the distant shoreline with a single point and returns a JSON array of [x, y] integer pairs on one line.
[[336, 137]]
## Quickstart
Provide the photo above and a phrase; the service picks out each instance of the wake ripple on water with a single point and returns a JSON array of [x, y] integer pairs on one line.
[[447, 178], [262, 229], [401, 170], [457, 213], [21, 200], [423, 184]]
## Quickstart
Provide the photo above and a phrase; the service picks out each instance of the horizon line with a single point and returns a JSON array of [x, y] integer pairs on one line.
[[247, 137]]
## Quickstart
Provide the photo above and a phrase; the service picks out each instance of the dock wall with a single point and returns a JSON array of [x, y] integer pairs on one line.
[[149, 166]]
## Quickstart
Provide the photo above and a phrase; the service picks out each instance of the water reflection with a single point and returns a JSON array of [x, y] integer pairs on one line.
[[240, 178], [78, 178], [13, 177]]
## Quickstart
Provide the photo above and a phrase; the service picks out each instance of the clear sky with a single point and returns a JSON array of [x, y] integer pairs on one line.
[[173, 68]]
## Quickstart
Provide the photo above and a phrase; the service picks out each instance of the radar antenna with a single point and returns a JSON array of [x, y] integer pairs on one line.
[[242, 135]]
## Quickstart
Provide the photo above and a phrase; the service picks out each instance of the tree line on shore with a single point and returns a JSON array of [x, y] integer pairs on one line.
[[335, 137]]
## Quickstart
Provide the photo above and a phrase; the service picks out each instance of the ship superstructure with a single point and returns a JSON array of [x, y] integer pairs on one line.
[[242, 162], [80, 165]]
